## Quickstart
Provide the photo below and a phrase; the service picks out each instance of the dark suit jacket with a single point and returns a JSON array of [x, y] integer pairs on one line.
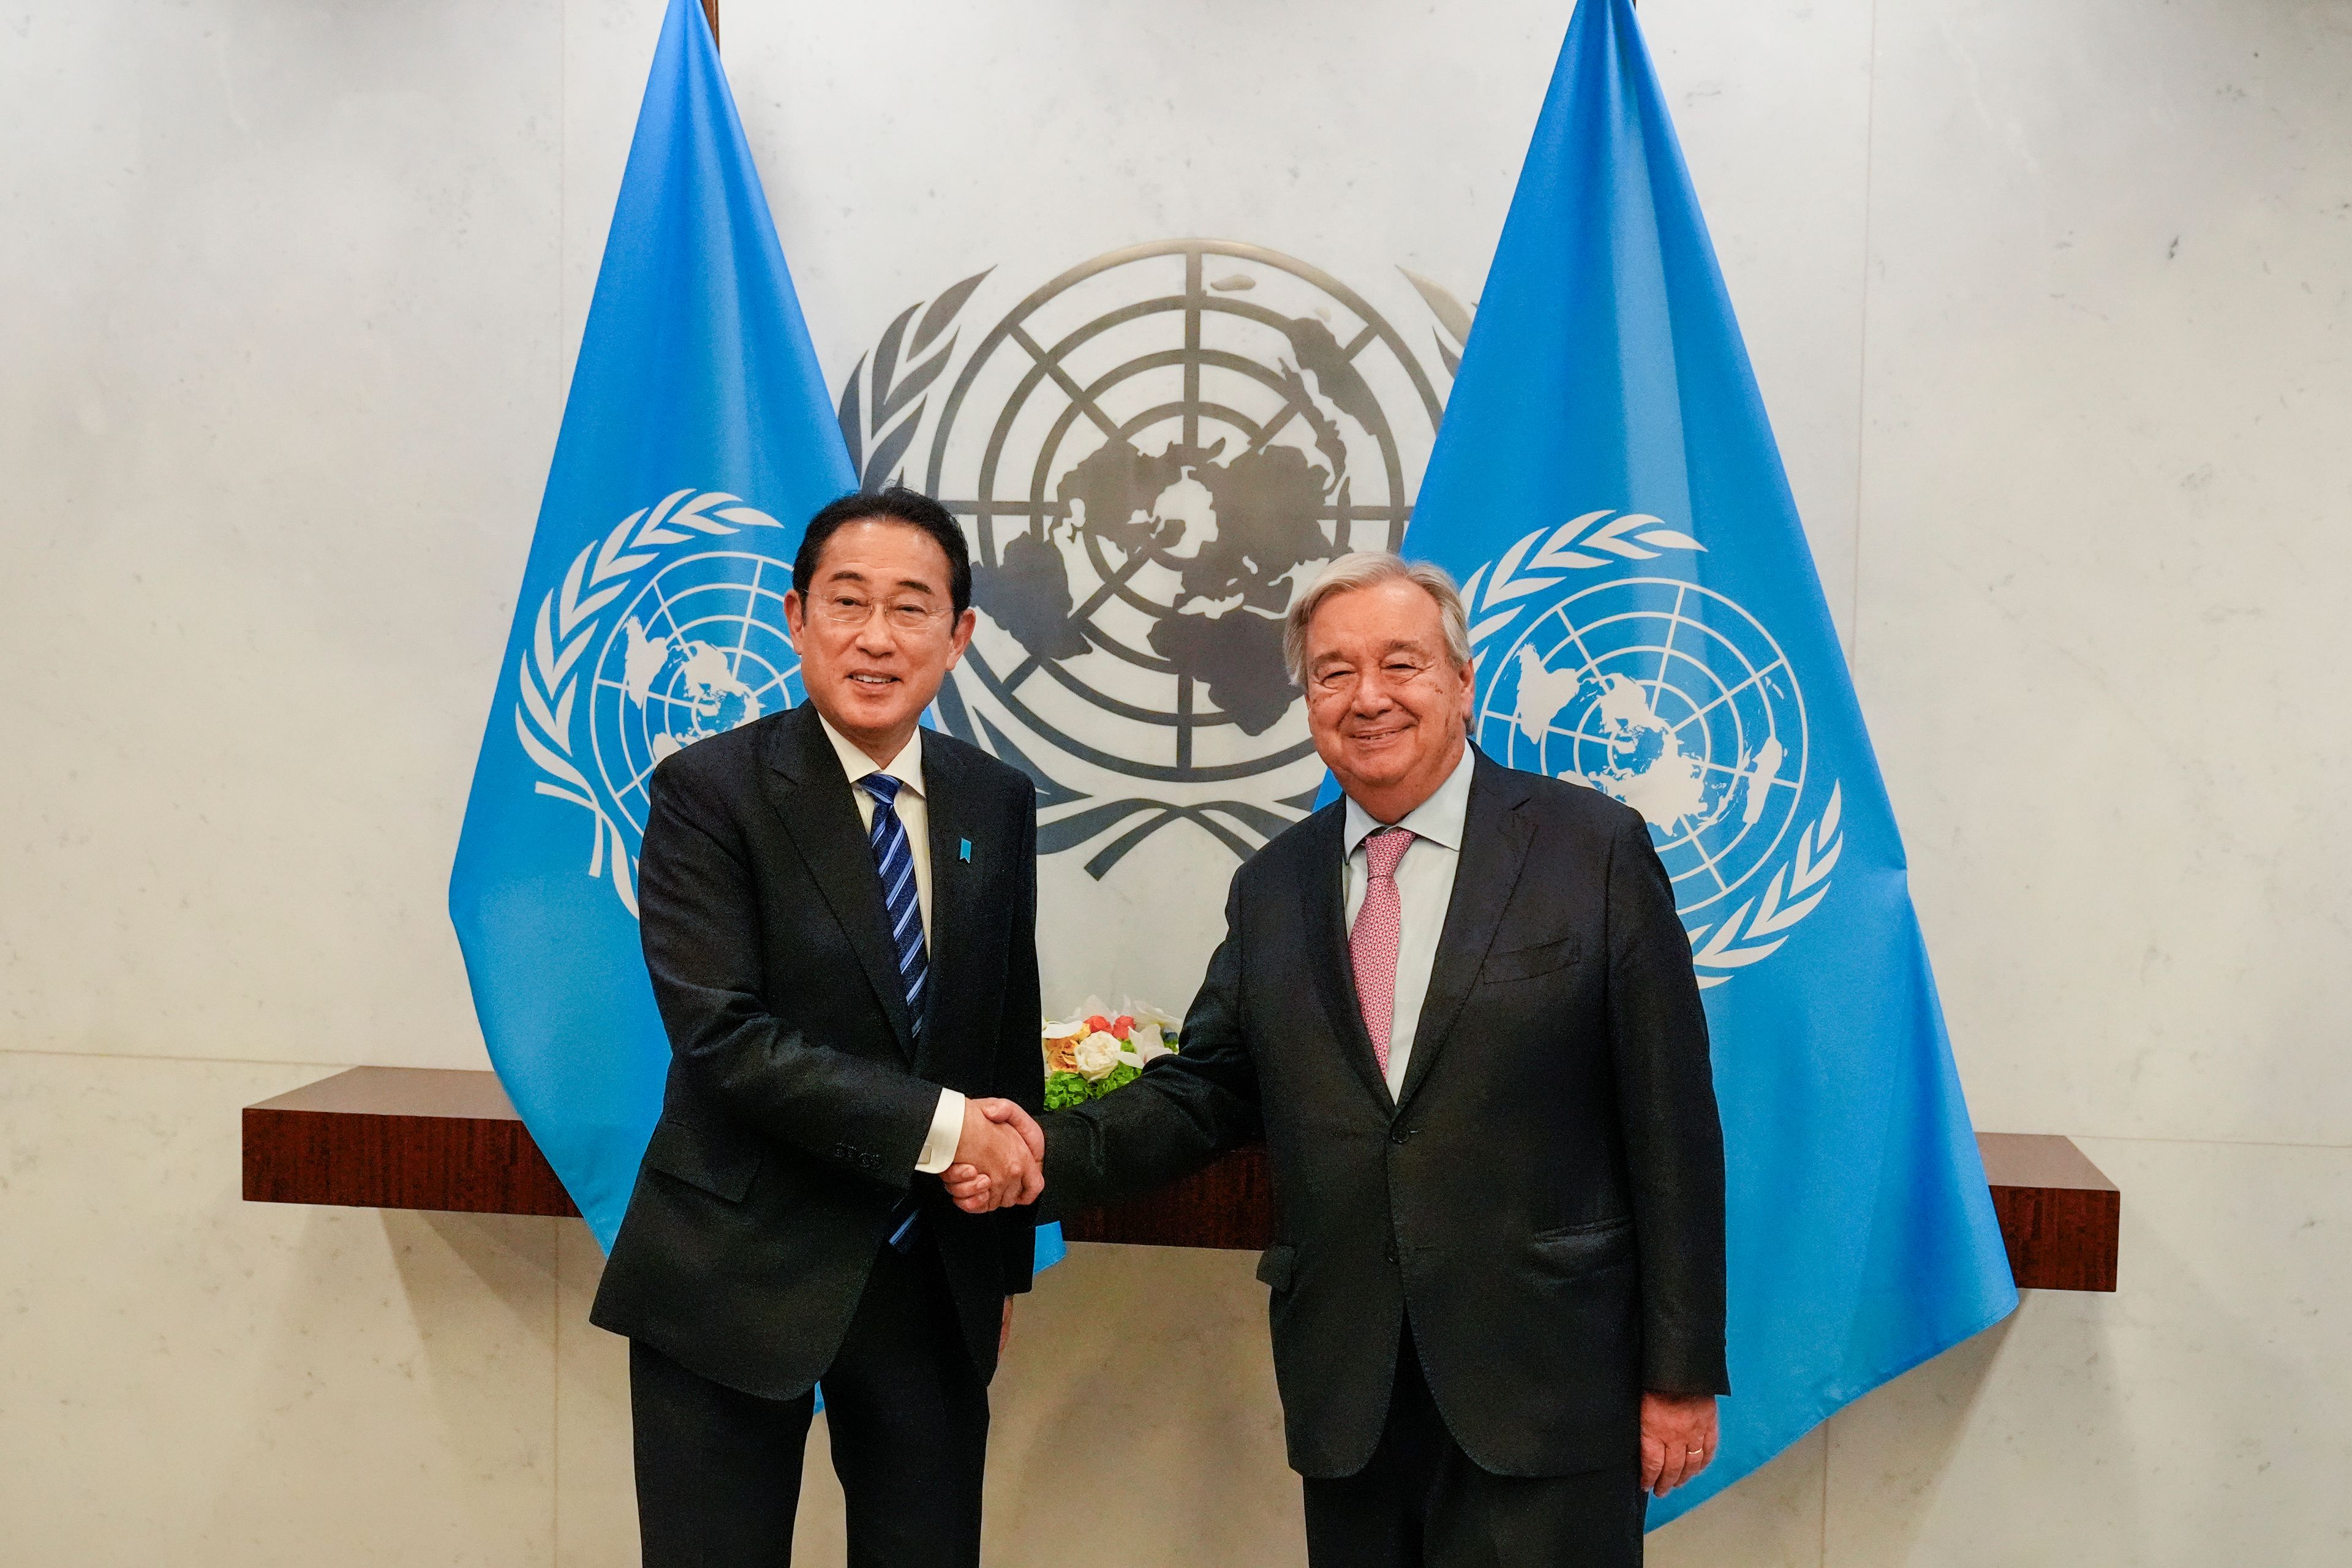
[[1543, 1201], [797, 1101]]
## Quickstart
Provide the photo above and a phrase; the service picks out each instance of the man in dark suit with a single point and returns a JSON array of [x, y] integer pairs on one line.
[[839, 918], [1459, 1008]]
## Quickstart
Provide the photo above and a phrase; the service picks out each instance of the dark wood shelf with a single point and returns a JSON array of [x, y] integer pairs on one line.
[[2060, 1219], [399, 1138], [420, 1137]]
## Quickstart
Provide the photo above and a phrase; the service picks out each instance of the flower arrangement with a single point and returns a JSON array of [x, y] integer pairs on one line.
[[1088, 1056]]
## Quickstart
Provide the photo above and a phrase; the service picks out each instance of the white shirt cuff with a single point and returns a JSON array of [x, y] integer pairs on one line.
[[947, 1131]]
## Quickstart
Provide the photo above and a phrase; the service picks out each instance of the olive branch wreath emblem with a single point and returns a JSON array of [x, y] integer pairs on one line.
[[881, 411], [881, 407], [1756, 929], [567, 623]]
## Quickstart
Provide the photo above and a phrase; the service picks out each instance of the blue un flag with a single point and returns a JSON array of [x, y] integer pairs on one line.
[[698, 438], [1648, 622]]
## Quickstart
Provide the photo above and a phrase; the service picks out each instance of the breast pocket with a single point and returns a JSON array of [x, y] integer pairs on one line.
[[1527, 962]]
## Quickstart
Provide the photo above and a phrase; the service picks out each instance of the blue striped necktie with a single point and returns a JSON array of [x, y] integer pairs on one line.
[[896, 861], [904, 910]]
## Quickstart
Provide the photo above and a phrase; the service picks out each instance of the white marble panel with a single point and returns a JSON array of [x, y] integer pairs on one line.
[[608, 46], [1772, 104], [2104, 488], [188, 1378], [595, 1488], [281, 341], [1143, 1374], [905, 145], [2196, 1416]]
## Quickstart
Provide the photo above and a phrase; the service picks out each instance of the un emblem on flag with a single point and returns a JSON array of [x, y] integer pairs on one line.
[[1670, 697], [1153, 453], [667, 630], [700, 647]]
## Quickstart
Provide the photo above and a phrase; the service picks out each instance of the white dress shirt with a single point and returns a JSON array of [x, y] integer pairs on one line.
[[947, 1122], [1424, 880]]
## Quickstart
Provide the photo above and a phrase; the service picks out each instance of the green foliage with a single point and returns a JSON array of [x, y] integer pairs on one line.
[[1065, 1089]]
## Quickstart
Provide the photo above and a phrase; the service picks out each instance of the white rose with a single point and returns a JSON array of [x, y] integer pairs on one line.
[[1095, 1055], [1145, 1013], [1145, 1041]]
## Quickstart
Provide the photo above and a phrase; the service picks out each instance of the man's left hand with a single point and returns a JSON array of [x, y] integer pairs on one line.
[[1679, 1434]]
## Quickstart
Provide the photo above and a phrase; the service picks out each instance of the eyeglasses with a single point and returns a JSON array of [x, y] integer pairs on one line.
[[903, 614]]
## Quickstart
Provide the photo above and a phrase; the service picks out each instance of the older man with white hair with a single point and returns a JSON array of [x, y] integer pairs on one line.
[[1459, 1008]]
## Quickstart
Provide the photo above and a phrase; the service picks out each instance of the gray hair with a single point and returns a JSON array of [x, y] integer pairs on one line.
[[1366, 569]]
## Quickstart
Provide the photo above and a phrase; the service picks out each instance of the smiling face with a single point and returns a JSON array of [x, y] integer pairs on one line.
[[1388, 706], [868, 661]]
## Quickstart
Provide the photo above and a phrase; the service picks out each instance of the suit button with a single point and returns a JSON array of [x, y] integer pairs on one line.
[[1399, 1134], [1392, 1255]]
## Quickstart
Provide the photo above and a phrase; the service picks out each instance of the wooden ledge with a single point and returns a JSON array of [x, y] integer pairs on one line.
[[2060, 1219], [421, 1138], [399, 1138]]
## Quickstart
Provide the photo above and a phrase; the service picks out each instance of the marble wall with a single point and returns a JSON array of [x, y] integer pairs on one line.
[[2049, 306]]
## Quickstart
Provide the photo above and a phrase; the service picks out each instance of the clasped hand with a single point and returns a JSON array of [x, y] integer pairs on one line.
[[1000, 1159]]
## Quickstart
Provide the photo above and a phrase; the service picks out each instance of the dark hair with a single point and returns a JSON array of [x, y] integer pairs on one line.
[[897, 505]]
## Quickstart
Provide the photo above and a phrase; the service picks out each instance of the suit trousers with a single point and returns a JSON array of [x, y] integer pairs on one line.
[[1422, 1502], [718, 1471]]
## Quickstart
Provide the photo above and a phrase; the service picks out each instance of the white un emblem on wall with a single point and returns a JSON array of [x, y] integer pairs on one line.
[[1153, 453], [1670, 697]]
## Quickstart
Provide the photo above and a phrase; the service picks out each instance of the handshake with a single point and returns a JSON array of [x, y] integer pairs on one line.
[[1000, 1159]]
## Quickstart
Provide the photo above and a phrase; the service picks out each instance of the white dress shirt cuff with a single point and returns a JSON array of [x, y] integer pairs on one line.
[[947, 1131]]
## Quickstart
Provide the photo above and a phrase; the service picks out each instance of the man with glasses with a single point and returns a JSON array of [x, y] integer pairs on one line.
[[838, 911], [1459, 1008]]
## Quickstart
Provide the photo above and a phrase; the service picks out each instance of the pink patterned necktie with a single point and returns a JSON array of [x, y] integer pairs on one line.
[[1372, 940]]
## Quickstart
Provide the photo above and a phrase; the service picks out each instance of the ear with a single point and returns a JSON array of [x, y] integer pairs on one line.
[[795, 616], [960, 638], [1469, 693]]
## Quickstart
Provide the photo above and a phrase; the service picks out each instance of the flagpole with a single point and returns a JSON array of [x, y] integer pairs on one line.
[[710, 14]]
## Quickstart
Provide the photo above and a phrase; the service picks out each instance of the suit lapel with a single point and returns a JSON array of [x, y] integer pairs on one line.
[[1495, 838], [1324, 922], [946, 801], [811, 798]]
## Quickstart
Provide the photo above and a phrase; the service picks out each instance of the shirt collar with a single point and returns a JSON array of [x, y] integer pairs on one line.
[[907, 767], [1438, 819]]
